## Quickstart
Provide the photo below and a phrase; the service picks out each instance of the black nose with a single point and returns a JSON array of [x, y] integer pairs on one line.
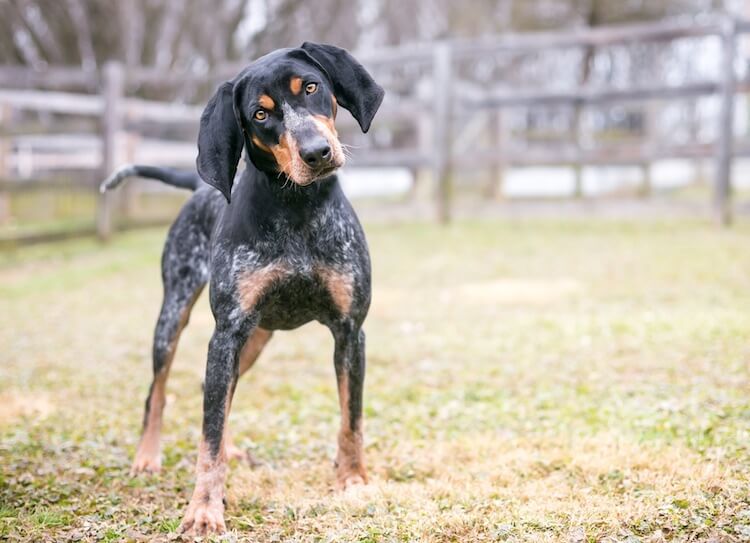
[[316, 153]]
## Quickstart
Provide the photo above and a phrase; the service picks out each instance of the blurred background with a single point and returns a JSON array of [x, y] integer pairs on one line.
[[520, 107]]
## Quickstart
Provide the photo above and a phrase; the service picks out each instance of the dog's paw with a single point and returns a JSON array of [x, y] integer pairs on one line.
[[346, 481], [236, 453], [145, 462], [203, 518]]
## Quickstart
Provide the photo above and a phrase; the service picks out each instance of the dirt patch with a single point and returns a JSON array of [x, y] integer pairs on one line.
[[28, 404]]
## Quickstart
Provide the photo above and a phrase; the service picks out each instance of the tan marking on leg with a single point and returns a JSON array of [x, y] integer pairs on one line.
[[266, 102], [205, 512], [339, 285], [237, 453], [250, 352], [260, 145], [253, 284], [252, 349], [295, 85], [148, 455], [350, 463], [233, 451]]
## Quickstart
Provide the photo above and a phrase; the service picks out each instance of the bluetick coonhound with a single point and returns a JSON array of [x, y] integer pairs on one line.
[[279, 248]]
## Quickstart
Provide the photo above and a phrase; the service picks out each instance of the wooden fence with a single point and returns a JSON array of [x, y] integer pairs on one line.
[[114, 118]]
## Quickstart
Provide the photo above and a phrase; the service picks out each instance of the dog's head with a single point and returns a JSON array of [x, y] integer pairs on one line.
[[281, 109]]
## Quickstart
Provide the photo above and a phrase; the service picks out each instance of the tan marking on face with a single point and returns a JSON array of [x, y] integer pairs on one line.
[[260, 145], [329, 124], [266, 102], [288, 160], [334, 106], [327, 128], [295, 85], [286, 152], [252, 285], [340, 286]]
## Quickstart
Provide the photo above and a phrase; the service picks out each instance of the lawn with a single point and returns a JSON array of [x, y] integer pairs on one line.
[[527, 381]]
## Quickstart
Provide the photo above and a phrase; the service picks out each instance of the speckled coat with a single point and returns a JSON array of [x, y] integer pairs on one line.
[[280, 247]]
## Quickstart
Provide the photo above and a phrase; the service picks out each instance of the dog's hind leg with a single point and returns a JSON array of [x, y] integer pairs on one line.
[[250, 353], [184, 275]]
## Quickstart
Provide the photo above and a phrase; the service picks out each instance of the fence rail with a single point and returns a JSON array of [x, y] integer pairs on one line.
[[103, 97]]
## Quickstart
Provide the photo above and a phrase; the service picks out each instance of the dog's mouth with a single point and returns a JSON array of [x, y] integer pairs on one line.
[[319, 174], [325, 171]]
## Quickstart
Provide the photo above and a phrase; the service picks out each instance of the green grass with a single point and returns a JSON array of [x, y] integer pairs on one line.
[[527, 381]]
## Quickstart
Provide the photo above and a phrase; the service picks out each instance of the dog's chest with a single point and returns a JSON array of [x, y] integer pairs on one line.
[[292, 289]]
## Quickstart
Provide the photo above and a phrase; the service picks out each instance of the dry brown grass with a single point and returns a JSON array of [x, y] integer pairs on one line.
[[526, 382]]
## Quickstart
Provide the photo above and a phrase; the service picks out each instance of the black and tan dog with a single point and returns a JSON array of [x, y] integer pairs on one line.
[[282, 249]]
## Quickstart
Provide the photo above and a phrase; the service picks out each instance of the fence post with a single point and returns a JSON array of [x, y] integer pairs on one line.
[[497, 164], [578, 166], [442, 155], [650, 139], [421, 173], [113, 85], [5, 151], [724, 151]]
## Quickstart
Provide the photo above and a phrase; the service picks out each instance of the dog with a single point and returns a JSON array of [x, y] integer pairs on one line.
[[279, 248]]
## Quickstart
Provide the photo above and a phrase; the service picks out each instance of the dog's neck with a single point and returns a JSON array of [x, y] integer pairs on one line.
[[262, 193], [287, 191]]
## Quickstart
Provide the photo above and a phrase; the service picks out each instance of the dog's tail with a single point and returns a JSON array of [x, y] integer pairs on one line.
[[176, 178]]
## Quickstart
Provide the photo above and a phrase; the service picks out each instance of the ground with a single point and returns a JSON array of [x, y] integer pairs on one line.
[[527, 381]]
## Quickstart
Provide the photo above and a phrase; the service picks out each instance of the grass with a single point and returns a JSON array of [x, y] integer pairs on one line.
[[527, 381]]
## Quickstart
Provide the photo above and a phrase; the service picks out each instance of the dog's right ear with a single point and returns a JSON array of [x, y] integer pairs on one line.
[[220, 141]]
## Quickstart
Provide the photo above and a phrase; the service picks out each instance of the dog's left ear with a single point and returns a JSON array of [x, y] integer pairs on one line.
[[220, 141], [353, 87]]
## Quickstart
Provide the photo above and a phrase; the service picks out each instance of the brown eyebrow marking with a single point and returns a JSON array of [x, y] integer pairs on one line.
[[295, 84], [260, 145], [266, 101]]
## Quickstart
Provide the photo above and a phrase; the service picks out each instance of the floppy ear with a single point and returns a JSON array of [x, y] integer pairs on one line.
[[220, 141], [353, 87]]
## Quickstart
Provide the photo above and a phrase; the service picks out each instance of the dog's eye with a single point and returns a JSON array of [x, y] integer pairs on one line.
[[310, 88], [260, 115]]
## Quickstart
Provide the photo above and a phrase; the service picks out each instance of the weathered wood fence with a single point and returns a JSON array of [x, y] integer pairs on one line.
[[439, 142]]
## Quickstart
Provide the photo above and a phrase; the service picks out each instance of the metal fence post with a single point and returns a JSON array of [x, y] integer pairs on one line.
[[442, 155], [725, 144], [113, 87]]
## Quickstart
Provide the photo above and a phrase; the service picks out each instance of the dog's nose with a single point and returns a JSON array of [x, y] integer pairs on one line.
[[316, 153]]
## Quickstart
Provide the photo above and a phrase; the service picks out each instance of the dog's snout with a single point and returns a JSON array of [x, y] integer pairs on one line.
[[317, 153]]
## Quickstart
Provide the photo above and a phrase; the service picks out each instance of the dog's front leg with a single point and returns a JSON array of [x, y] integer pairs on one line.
[[349, 360], [205, 512]]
